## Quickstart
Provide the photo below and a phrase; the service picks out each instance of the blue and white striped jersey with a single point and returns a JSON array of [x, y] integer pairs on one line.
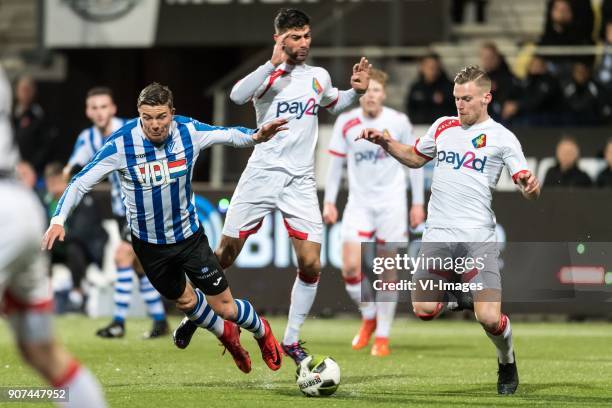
[[89, 141], [155, 179]]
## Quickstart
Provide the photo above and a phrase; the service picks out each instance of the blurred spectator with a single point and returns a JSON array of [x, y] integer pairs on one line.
[[504, 85], [604, 179], [85, 237], [431, 96], [539, 103], [568, 22], [585, 99], [566, 172], [458, 10], [29, 122]]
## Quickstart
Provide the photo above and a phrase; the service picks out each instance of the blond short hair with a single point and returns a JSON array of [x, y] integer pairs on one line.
[[473, 73], [379, 76]]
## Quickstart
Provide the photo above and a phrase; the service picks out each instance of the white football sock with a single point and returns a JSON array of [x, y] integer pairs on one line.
[[302, 297], [360, 291], [502, 339], [386, 302], [83, 389]]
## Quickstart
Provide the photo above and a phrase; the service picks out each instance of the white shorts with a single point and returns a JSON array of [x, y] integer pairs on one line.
[[434, 234], [368, 223], [24, 281], [261, 191]]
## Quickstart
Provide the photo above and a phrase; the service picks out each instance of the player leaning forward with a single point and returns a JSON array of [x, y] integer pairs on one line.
[[471, 151], [154, 156], [280, 174]]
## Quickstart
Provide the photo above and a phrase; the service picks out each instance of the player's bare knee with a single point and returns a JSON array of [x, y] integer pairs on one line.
[[426, 310], [488, 320], [310, 265], [124, 255]]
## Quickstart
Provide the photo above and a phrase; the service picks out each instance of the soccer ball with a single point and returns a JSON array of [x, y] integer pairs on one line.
[[318, 377]]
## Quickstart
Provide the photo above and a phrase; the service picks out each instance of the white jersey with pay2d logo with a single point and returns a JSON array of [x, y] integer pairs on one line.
[[377, 202], [469, 162], [280, 173]]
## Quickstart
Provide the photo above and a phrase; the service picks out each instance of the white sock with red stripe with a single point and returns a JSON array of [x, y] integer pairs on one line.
[[386, 302], [83, 388], [360, 291], [502, 338], [302, 297]]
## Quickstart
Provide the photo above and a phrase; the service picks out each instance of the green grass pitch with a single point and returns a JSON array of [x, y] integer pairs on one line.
[[440, 363]]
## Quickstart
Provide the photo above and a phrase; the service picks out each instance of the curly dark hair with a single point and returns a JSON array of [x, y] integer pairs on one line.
[[287, 18]]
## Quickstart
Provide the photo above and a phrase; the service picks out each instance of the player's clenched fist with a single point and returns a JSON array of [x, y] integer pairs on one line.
[[267, 131], [360, 80]]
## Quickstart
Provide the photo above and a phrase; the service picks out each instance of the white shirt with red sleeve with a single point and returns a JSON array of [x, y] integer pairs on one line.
[[374, 176], [469, 162], [295, 92]]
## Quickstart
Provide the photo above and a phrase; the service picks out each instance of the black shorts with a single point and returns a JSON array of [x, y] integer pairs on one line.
[[166, 265], [124, 230]]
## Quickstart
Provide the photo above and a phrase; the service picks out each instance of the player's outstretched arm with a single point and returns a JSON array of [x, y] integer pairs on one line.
[[103, 163], [529, 185], [403, 153], [268, 130], [207, 135]]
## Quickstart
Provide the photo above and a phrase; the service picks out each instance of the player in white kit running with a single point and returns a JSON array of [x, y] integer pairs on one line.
[[25, 290], [281, 175], [471, 151], [376, 210]]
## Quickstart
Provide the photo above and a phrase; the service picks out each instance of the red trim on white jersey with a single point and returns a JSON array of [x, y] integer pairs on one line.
[[335, 153], [447, 124], [426, 157], [273, 77], [13, 305], [335, 101], [350, 124], [366, 234], [245, 234], [516, 175], [295, 233]]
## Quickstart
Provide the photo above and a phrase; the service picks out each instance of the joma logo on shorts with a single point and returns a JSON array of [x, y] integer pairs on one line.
[[311, 108], [469, 160]]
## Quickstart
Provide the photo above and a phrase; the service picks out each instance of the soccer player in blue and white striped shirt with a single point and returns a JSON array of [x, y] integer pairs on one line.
[[154, 155], [101, 109]]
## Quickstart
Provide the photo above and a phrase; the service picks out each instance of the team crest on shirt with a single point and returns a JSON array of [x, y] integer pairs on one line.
[[316, 86], [159, 172], [479, 141]]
